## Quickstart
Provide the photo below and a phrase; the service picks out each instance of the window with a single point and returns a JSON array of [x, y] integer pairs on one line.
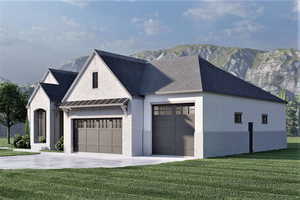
[[95, 79], [238, 118], [40, 126], [264, 119]]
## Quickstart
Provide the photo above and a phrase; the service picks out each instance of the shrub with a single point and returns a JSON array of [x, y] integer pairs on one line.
[[26, 139], [60, 144], [42, 139], [20, 144], [22, 141], [17, 138]]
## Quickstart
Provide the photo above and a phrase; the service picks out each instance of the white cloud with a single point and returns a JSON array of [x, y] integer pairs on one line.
[[244, 27], [297, 6], [136, 20], [153, 27], [79, 3], [38, 28], [124, 46], [76, 36], [70, 22], [150, 26], [212, 10]]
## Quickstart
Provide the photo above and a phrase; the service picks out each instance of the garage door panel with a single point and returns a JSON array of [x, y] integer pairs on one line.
[[98, 135], [173, 129], [105, 149], [185, 123], [92, 136], [92, 148], [105, 137], [117, 137], [82, 147], [81, 136], [117, 149]]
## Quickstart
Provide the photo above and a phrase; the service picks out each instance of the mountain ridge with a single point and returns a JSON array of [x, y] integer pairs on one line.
[[272, 70]]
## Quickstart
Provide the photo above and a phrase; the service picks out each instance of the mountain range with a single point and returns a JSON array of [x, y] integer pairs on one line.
[[272, 70]]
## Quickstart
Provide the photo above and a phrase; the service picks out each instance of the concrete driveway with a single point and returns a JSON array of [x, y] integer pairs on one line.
[[49, 160]]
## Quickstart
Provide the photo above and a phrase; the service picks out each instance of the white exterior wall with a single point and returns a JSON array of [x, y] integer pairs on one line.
[[175, 98], [137, 111], [108, 85], [40, 101], [50, 79], [224, 137]]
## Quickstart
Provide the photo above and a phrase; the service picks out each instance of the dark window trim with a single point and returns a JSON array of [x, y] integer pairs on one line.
[[95, 80], [264, 120], [236, 121]]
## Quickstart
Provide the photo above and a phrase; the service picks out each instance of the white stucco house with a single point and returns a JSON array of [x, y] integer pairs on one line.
[[183, 106]]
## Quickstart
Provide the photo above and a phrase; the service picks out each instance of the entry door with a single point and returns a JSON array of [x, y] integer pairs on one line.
[[250, 130], [173, 129]]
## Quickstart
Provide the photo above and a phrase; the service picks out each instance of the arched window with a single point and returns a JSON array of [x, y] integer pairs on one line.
[[40, 126]]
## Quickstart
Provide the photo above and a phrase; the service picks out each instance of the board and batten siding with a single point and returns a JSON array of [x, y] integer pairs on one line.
[[108, 85], [50, 79], [224, 137]]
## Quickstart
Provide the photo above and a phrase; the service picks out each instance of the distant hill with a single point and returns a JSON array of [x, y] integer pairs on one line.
[[271, 70]]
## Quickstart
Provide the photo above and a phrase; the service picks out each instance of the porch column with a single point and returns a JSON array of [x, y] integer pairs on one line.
[[68, 133]]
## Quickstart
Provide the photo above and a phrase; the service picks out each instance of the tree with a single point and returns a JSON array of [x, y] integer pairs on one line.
[[26, 128], [282, 95], [12, 106], [292, 118]]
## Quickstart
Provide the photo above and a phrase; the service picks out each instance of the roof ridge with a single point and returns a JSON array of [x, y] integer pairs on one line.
[[64, 71], [130, 58]]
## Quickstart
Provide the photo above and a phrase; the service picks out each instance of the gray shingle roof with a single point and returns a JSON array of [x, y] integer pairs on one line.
[[129, 70], [174, 75], [216, 80], [178, 75], [192, 74], [57, 92]]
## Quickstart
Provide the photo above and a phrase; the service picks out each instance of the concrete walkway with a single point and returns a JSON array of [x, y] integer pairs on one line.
[[49, 160]]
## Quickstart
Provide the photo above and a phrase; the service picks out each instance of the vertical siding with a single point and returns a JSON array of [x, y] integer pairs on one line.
[[108, 84]]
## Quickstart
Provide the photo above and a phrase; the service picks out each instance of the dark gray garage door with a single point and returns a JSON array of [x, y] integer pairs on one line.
[[98, 135], [173, 129]]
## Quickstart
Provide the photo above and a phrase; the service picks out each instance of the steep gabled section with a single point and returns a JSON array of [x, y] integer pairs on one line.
[[128, 70]]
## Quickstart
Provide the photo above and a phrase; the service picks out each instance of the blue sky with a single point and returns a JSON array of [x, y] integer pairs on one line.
[[35, 35]]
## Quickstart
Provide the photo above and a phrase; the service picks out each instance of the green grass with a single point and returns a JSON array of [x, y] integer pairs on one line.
[[263, 176], [7, 152], [3, 142]]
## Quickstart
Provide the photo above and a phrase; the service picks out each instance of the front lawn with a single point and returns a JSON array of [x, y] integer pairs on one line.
[[3, 142], [263, 176], [8, 152]]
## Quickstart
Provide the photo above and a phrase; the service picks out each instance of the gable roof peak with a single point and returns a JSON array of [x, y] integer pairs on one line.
[[61, 71], [129, 58]]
